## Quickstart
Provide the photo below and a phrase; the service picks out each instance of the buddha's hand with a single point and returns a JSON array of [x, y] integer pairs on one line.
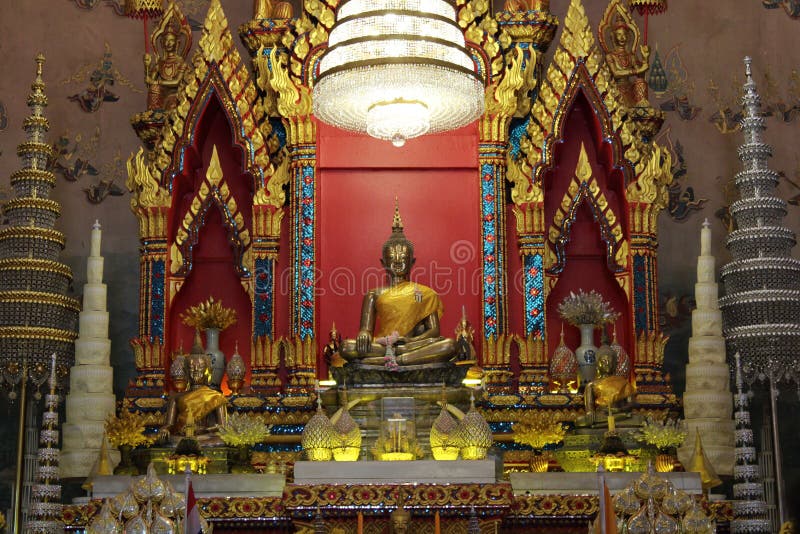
[[363, 341]]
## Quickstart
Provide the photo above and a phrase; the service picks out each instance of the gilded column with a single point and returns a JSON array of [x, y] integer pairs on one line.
[[150, 203], [262, 35], [294, 106], [525, 34]]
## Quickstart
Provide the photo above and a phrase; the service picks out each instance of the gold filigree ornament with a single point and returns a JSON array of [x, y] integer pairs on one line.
[[209, 314], [243, 429], [318, 436], [443, 432], [473, 434], [347, 435], [126, 429]]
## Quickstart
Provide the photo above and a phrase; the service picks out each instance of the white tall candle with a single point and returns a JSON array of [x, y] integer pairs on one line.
[[705, 239], [95, 248]]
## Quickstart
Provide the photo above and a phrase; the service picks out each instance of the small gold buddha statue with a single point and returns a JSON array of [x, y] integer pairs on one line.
[[407, 309], [606, 392], [205, 408]]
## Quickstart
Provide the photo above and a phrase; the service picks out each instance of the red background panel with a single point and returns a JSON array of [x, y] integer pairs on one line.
[[358, 180]]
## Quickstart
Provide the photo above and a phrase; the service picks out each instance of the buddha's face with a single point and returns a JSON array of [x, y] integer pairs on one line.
[[199, 370], [398, 259], [605, 365]]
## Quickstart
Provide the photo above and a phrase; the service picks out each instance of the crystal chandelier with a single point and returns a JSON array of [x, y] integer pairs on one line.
[[397, 69]]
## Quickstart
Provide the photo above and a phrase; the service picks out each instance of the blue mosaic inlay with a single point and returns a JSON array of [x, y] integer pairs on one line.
[[157, 300], [262, 307], [534, 295], [490, 252], [304, 285], [640, 293]]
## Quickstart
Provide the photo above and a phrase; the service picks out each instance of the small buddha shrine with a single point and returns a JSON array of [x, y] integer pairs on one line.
[[398, 272]]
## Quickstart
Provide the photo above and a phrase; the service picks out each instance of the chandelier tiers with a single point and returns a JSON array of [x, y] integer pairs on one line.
[[761, 306], [397, 69]]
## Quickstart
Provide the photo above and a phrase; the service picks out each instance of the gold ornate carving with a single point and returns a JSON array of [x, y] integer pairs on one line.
[[577, 65], [497, 350], [170, 42], [267, 353], [301, 353], [148, 354], [218, 66], [650, 348], [294, 102], [213, 189], [584, 186], [649, 193], [144, 187], [628, 60], [480, 29], [532, 350]]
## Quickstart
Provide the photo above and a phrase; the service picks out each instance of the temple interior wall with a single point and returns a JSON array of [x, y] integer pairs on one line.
[[700, 43]]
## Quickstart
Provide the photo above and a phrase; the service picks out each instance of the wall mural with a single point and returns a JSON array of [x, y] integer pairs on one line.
[[117, 5], [114, 171], [3, 117], [682, 201], [72, 160], [71, 155], [728, 112], [791, 7], [671, 80], [101, 76]]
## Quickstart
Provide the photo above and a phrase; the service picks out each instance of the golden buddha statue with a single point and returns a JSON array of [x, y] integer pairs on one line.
[[606, 392], [626, 64], [199, 410], [163, 73], [404, 310]]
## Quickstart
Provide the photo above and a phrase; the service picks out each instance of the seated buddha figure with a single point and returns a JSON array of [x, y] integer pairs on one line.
[[409, 309], [606, 393], [205, 408]]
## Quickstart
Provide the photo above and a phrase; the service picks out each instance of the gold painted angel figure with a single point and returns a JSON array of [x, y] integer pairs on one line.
[[164, 69], [627, 59]]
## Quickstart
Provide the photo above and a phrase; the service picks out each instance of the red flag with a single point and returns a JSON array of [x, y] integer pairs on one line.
[[192, 524]]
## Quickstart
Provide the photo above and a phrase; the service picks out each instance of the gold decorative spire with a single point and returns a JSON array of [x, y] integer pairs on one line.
[[397, 222], [701, 464]]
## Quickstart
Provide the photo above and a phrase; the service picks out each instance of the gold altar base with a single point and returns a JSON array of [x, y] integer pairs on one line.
[[430, 374], [499, 511], [161, 457]]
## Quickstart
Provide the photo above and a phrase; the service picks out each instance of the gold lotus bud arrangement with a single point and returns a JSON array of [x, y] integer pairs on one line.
[[538, 434], [209, 314], [127, 429], [586, 308], [662, 434], [243, 429]]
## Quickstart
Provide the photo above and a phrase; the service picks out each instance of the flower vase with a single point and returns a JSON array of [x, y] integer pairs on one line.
[[587, 354], [126, 465], [216, 355]]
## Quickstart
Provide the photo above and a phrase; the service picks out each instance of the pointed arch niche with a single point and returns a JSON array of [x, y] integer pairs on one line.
[[209, 230], [585, 219]]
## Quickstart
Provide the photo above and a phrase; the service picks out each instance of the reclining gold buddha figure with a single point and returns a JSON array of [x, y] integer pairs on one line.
[[208, 407], [409, 309]]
